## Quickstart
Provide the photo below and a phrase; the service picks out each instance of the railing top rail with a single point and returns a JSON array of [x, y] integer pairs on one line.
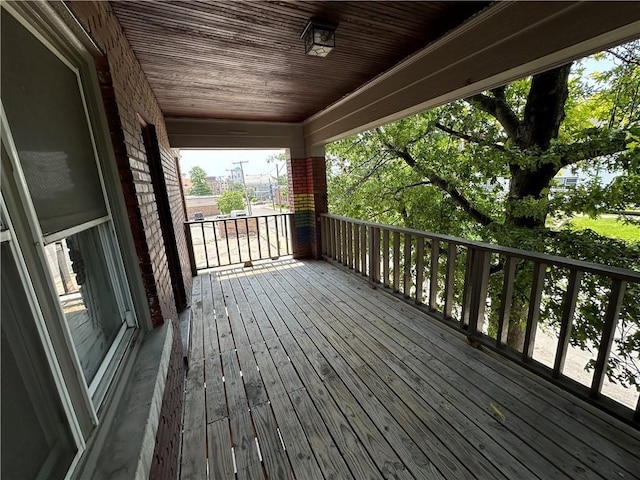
[[570, 263], [213, 220]]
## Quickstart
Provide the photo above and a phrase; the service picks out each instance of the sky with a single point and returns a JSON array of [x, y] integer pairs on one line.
[[217, 162]]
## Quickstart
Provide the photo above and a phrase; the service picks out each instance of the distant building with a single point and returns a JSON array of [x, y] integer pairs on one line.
[[205, 204], [219, 185], [186, 184], [236, 175]]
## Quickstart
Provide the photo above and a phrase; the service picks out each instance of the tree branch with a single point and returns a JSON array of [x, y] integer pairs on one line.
[[593, 148], [417, 184], [470, 138], [628, 59], [441, 183], [544, 111], [498, 108]]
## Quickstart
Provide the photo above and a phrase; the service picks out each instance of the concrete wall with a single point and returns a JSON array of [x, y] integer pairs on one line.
[[208, 205]]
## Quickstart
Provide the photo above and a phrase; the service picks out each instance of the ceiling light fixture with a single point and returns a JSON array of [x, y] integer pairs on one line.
[[319, 37]]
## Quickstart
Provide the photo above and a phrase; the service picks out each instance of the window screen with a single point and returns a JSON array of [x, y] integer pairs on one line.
[[42, 100]]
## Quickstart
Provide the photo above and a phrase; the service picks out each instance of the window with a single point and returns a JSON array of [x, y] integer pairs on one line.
[[50, 146], [87, 296], [37, 439]]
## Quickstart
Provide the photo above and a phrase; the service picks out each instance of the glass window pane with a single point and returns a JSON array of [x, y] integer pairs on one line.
[[85, 290], [43, 104], [36, 438]]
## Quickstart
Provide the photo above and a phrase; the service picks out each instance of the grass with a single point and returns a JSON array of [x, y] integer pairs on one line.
[[608, 226]]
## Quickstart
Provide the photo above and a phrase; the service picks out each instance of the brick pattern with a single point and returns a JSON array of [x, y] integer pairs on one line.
[[127, 94], [308, 187], [166, 459]]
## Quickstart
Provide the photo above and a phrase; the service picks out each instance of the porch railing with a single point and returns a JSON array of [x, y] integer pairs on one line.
[[220, 242], [474, 287]]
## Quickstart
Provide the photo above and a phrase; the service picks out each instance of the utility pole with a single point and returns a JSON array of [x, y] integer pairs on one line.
[[244, 185], [278, 186], [273, 198]]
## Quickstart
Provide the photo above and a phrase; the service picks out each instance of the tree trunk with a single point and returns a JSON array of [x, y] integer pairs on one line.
[[528, 184]]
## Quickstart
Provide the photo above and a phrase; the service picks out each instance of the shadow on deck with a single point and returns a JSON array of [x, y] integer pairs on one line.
[[300, 370]]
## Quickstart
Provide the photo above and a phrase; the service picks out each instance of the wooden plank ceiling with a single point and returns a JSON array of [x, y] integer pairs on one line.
[[245, 60]]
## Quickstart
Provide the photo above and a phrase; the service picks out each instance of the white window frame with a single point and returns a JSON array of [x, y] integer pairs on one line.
[[8, 236], [95, 391]]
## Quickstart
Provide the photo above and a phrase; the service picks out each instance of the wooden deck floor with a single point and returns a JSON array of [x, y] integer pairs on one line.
[[299, 370]]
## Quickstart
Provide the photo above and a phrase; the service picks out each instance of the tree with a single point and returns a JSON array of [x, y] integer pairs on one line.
[[231, 200], [441, 171], [282, 181], [199, 182]]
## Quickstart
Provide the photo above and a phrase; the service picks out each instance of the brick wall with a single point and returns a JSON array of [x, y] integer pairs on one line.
[[308, 191], [128, 97], [127, 94]]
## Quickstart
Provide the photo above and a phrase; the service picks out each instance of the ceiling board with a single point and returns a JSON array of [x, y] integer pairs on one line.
[[244, 59]]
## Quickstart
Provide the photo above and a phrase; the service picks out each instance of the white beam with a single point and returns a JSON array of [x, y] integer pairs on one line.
[[506, 41], [210, 133]]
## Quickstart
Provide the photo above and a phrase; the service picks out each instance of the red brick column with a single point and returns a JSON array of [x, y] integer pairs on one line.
[[308, 194]]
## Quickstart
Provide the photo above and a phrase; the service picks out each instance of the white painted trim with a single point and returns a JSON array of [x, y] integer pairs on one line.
[[42, 39], [475, 21], [47, 344], [56, 237], [18, 175], [391, 96], [34, 225], [106, 364], [192, 133], [77, 70]]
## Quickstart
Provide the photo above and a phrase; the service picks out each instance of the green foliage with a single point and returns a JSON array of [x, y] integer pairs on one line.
[[231, 200], [608, 227], [200, 185], [452, 170]]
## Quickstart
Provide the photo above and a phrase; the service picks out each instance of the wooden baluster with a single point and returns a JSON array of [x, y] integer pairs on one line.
[[385, 257], [534, 311], [608, 334], [343, 243], [467, 288], [406, 255], [396, 261], [363, 249], [374, 255], [350, 245], [450, 280], [505, 301], [566, 324], [335, 239], [339, 241], [356, 247], [433, 280], [480, 280], [419, 268]]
